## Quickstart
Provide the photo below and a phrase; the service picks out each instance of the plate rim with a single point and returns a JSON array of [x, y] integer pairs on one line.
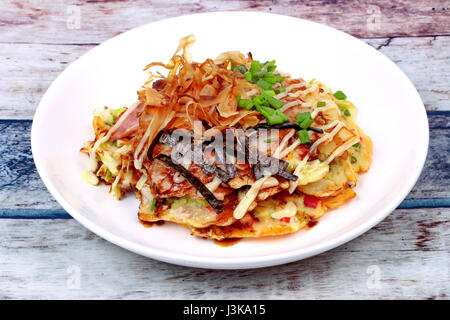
[[215, 262]]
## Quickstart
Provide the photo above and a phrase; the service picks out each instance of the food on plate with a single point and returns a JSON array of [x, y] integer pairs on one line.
[[230, 148]]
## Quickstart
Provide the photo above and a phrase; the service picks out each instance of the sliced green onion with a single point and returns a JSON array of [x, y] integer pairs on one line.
[[357, 145], [274, 120], [258, 75], [278, 118], [268, 92], [322, 157], [344, 109], [248, 76], [304, 120], [169, 200], [306, 123], [274, 102], [255, 66], [280, 79], [302, 116], [259, 100], [282, 115], [321, 104], [270, 66], [264, 84], [353, 159], [312, 81], [265, 111], [272, 78], [346, 112], [269, 140], [245, 103], [152, 208], [304, 137], [340, 95], [280, 90]]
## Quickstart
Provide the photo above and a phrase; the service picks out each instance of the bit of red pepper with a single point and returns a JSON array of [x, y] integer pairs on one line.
[[210, 209], [360, 139], [285, 219], [311, 201]]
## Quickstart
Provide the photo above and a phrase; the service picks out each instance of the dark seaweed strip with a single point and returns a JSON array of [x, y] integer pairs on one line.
[[285, 174], [216, 204], [197, 157], [286, 125], [267, 163]]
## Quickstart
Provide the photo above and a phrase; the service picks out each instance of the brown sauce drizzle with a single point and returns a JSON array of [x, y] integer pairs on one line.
[[227, 242], [312, 223], [149, 224]]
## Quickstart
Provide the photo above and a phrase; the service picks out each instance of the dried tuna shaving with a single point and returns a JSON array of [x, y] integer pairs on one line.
[[160, 118], [201, 91]]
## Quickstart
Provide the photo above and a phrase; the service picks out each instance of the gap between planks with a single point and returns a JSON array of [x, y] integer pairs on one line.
[[387, 41]]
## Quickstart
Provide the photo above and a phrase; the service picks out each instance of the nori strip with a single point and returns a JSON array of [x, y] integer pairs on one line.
[[266, 163], [206, 166], [216, 204]]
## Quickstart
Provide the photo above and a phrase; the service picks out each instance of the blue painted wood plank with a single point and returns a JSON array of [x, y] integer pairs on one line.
[[425, 203], [438, 112], [34, 214]]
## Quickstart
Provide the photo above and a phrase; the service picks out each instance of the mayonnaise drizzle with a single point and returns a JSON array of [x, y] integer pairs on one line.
[[328, 136], [316, 111], [289, 88], [343, 148], [252, 193]]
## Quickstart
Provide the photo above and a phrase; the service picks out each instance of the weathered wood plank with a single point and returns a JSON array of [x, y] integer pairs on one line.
[[30, 69], [426, 62], [408, 251], [435, 177], [95, 21], [21, 187]]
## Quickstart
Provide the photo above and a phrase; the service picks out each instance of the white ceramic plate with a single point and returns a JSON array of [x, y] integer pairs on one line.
[[389, 110]]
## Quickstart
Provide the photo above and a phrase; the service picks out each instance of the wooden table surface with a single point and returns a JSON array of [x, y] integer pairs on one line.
[[46, 254]]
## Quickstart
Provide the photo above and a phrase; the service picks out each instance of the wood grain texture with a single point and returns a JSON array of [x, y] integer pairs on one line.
[[410, 249], [29, 70], [38, 253], [21, 187], [426, 61], [47, 21]]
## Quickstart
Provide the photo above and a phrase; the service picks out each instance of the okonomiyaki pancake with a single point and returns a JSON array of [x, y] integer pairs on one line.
[[230, 147]]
